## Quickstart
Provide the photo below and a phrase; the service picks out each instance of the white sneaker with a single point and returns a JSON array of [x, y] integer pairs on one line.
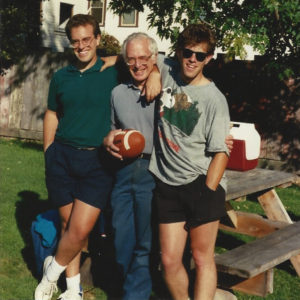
[[71, 294], [45, 289]]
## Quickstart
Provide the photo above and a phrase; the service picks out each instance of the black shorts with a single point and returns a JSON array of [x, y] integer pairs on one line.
[[193, 203], [75, 173]]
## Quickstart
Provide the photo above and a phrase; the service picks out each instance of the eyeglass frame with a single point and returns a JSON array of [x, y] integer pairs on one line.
[[200, 56], [75, 43], [146, 58]]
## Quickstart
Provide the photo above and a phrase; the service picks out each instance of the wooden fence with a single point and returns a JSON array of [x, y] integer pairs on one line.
[[253, 97], [23, 95]]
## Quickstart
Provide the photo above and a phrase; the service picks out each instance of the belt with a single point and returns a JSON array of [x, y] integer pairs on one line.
[[87, 148], [145, 156]]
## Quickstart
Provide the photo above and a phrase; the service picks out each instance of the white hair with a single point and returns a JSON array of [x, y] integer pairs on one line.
[[140, 36]]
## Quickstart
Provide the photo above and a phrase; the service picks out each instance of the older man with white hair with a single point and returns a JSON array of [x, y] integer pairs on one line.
[[132, 193]]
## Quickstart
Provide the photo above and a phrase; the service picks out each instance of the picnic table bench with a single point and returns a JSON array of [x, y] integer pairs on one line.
[[249, 267]]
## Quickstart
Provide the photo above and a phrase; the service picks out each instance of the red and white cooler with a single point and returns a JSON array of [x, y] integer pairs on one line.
[[246, 147]]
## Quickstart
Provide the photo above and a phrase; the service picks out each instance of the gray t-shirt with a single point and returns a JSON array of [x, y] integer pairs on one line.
[[131, 110], [193, 123]]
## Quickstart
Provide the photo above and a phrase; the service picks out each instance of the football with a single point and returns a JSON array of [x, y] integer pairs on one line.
[[130, 142]]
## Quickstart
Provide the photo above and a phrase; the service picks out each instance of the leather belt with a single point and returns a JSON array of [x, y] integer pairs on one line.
[[87, 148], [145, 156]]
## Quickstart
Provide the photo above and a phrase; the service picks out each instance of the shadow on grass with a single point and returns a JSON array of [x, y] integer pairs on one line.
[[26, 144], [228, 241], [27, 208], [32, 145], [295, 218], [104, 272]]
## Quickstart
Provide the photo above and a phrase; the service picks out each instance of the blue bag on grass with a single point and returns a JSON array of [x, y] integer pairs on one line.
[[45, 231]]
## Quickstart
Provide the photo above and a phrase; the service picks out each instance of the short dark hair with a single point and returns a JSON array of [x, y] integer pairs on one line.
[[82, 20], [194, 34]]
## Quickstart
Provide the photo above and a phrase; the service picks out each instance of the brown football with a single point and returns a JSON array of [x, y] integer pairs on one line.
[[130, 142]]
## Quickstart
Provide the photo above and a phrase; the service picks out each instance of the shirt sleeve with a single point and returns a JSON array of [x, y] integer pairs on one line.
[[217, 126], [160, 61]]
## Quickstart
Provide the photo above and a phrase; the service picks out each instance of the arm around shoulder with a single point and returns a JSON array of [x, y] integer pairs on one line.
[[153, 84]]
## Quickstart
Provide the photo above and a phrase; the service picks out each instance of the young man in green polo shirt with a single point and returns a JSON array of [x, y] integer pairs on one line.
[[78, 183]]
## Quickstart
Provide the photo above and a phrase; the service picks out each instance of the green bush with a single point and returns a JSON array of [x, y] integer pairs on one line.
[[109, 45]]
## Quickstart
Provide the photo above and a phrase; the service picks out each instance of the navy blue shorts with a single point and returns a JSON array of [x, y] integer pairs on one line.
[[192, 203], [75, 173]]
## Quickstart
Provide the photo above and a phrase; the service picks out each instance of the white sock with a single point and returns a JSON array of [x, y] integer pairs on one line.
[[54, 270], [73, 283]]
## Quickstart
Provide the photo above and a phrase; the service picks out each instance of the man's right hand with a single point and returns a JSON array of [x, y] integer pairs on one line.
[[50, 126], [47, 146], [109, 145]]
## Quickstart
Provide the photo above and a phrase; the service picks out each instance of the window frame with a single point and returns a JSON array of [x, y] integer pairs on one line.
[[61, 25], [103, 11], [136, 24]]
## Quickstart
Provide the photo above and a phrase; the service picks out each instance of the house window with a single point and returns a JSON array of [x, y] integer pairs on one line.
[[98, 11], [65, 12], [129, 19]]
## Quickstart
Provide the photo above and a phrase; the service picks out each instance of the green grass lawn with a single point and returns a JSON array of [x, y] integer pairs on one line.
[[23, 195]]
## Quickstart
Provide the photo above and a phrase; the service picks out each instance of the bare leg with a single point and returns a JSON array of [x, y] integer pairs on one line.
[[172, 241], [65, 213], [82, 221], [203, 240]]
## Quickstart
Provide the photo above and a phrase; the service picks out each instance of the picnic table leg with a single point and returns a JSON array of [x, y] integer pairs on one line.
[[273, 207], [276, 211]]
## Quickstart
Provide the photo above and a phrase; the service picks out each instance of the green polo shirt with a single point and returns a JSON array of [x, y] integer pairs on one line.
[[82, 101]]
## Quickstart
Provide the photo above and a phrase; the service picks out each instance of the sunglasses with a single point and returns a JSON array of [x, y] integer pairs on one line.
[[187, 53]]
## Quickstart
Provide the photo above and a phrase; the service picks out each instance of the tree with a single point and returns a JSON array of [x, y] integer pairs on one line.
[[109, 45], [271, 27], [19, 30]]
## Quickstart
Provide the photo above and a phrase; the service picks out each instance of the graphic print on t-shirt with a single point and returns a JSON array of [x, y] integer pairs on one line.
[[179, 110]]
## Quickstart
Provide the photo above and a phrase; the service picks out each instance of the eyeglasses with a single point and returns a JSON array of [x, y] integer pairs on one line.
[[130, 61], [84, 42], [187, 53]]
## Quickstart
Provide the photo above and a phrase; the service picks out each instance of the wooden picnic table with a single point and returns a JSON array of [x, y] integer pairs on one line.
[[249, 268]]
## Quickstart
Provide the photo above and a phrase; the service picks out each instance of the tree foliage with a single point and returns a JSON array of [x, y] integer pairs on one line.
[[109, 45], [271, 27], [19, 30]]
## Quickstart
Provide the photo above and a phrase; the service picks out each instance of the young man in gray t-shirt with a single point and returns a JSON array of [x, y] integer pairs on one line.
[[188, 161]]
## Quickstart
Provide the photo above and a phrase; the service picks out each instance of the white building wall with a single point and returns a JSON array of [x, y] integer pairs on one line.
[[54, 37], [112, 27]]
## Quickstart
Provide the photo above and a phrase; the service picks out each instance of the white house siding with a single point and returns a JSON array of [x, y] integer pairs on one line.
[[54, 37], [112, 27]]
